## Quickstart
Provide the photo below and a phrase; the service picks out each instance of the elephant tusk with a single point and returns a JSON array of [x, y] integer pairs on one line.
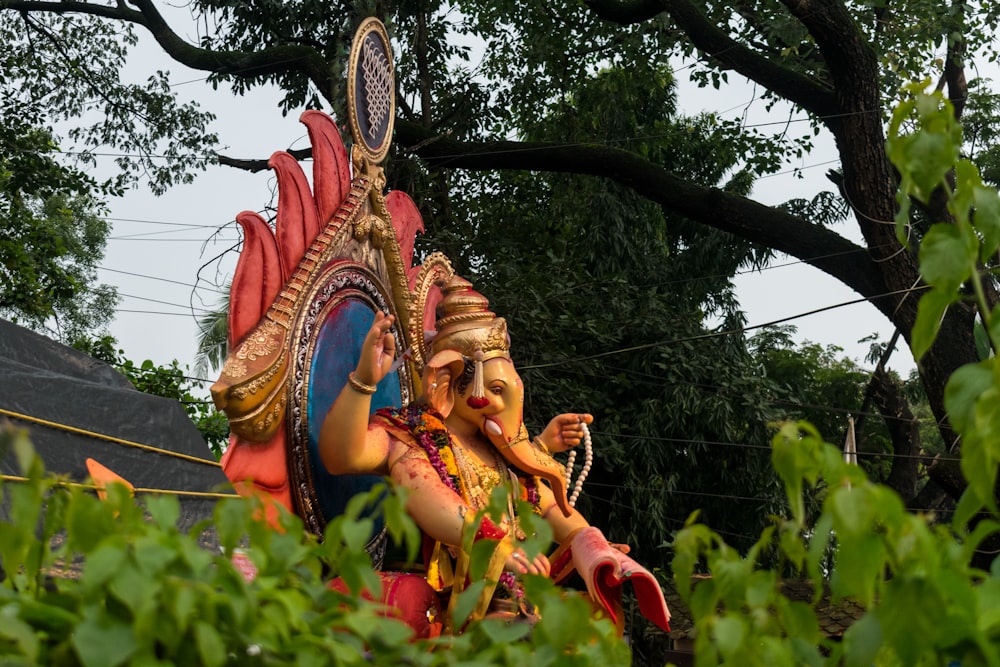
[[492, 428]]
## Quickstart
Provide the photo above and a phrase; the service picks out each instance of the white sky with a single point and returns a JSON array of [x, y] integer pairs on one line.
[[162, 247]]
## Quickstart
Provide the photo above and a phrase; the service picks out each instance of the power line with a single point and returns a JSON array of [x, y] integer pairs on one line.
[[675, 341], [166, 280], [187, 225], [133, 238], [751, 445], [157, 312], [656, 380], [204, 311], [716, 334]]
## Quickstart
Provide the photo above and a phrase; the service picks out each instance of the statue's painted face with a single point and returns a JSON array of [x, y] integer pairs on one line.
[[504, 399], [501, 420]]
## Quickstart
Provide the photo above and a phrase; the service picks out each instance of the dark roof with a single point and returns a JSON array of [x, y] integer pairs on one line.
[[75, 407]]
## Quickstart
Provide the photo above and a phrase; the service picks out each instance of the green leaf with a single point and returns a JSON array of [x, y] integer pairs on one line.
[[152, 557], [928, 157], [987, 611], [947, 256], [818, 544], [211, 647], [13, 629], [987, 220], [165, 510], [862, 641], [102, 564], [853, 511], [964, 388], [182, 603], [466, 602], [103, 643], [968, 505], [979, 467], [231, 519], [729, 632], [861, 561], [930, 312], [132, 587], [356, 533], [28, 461], [801, 622]]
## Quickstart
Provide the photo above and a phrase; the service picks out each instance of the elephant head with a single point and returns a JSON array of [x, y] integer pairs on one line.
[[471, 380]]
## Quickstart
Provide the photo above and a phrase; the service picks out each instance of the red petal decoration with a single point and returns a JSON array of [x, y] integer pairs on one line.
[[331, 164], [257, 278]]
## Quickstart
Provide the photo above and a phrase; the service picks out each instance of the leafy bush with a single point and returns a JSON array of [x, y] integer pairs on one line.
[[110, 583], [925, 603]]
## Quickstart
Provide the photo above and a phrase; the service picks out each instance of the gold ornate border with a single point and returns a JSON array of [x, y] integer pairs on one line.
[[303, 344]]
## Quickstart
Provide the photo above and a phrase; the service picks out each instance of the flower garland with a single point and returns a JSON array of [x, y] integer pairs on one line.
[[431, 434]]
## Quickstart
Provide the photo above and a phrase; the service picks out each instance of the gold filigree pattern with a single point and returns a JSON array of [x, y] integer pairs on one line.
[[275, 414], [480, 479], [435, 270], [363, 227], [541, 457], [262, 342], [234, 368], [258, 383]]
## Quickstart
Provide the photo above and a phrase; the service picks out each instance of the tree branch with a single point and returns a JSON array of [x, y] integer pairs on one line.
[[838, 37], [274, 60], [954, 66], [256, 165], [625, 12], [716, 208], [729, 53]]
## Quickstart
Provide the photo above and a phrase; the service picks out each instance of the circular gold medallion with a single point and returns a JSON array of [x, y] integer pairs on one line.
[[371, 99]]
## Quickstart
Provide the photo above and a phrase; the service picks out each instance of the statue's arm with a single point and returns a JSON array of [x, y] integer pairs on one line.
[[439, 511], [562, 526], [436, 508], [346, 444]]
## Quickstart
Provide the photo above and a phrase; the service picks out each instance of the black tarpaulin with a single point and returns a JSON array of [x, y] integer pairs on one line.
[[48, 389]]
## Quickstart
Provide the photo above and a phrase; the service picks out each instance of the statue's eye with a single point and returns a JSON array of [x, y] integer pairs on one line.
[[496, 390]]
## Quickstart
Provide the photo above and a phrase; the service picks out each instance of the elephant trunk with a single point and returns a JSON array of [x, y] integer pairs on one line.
[[528, 457]]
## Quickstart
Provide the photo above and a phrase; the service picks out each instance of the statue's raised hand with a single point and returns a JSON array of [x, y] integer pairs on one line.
[[565, 431], [378, 351]]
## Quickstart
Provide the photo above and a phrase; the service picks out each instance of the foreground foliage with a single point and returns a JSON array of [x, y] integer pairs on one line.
[[931, 593], [110, 583]]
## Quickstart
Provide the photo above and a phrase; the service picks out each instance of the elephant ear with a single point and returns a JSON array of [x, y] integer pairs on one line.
[[437, 377]]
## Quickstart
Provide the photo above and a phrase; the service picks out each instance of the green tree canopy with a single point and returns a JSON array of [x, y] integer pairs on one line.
[[52, 235]]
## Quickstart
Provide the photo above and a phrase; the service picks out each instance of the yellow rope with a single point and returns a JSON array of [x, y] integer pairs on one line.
[[109, 438], [94, 487], [196, 494]]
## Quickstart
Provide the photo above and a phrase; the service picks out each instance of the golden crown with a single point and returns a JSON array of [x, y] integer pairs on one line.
[[467, 325]]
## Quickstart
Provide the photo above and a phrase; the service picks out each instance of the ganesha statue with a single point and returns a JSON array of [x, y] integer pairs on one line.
[[349, 365], [463, 438]]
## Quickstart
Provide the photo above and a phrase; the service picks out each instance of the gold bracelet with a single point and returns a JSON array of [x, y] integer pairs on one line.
[[359, 386], [541, 445]]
